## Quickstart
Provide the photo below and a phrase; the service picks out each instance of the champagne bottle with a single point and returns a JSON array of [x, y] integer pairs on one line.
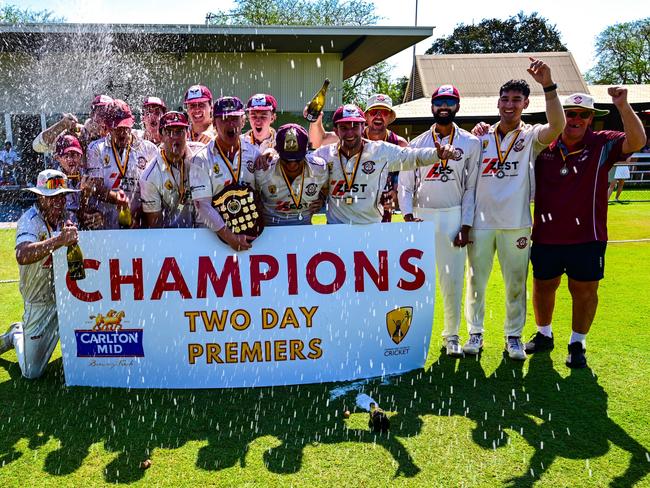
[[124, 217], [76, 269], [317, 103]]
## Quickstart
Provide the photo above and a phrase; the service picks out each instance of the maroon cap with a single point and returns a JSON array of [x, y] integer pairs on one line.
[[119, 115], [101, 101], [173, 119], [348, 113], [446, 91], [226, 106], [67, 143], [197, 93], [154, 102], [291, 142], [262, 101]]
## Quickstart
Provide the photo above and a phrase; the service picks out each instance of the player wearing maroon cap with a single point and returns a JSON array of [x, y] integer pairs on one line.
[[152, 109], [444, 193], [198, 103], [261, 115], [165, 183], [570, 226]]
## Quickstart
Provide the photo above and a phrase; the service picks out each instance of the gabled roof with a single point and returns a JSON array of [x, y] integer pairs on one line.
[[359, 47], [481, 75]]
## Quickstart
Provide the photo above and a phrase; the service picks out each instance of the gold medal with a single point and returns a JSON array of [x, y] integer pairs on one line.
[[349, 200]]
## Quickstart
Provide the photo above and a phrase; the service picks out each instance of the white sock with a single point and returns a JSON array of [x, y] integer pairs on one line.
[[577, 337], [546, 330]]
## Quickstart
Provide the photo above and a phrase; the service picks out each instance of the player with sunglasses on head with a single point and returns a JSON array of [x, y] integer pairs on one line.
[[570, 226]]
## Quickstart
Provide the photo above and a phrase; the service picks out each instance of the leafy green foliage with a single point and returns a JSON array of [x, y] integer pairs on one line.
[[375, 79], [623, 54], [517, 34], [12, 14]]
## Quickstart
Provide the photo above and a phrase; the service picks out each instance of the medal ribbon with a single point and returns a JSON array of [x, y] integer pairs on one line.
[[229, 162], [118, 160], [451, 141], [565, 153], [298, 200], [497, 139], [350, 182], [181, 185], [253, 140]]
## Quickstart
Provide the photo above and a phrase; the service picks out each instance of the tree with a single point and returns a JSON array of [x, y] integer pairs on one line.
[[518, 34], [296, 12], [623, 54], [11, 14]]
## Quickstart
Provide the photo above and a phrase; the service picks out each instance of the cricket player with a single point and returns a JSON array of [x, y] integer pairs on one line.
[[261, 115], [444, 194], [152, 109], [502, 219], [198, 103], [40, 230]]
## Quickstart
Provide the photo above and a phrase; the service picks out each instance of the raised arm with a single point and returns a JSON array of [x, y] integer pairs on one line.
[[635, 137], [541, 73]]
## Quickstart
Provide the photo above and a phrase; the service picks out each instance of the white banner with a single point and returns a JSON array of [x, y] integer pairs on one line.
[[176, 308]]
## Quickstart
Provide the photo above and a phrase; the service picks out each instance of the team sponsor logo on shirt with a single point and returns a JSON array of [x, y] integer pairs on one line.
[[368, 167], [339, 188], [142, 162], [519, 146], [169, 185], [250, 165], [492, 167], [311, 189], [522, 242], [438, 172], [107, 161], [273, 189], [107, 337], [330, 165], [216, 169], [486, 143]]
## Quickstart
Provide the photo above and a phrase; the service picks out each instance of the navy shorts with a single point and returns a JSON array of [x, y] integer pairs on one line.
[[580, 262]]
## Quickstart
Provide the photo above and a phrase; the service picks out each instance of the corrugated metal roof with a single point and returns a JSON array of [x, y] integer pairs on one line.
[[635, 93], [481, 75]]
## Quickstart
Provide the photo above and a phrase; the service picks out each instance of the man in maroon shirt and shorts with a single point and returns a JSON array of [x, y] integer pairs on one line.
[[570, 225]]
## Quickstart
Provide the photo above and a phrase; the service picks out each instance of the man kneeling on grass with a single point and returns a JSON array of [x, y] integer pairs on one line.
[[41, 230]]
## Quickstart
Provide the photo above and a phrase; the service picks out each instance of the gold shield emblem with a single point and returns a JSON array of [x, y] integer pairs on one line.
[[398, 322]]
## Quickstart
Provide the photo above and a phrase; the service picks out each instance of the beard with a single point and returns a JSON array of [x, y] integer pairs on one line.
[[445, 119]]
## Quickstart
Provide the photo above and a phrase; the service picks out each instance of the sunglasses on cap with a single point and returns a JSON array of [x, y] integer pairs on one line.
[[572, 114], [450, 102], [55, 183]]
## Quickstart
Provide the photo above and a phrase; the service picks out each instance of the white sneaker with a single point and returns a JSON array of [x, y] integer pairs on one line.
[[474, 344], [7, 339], [452, 343], [515, 348]]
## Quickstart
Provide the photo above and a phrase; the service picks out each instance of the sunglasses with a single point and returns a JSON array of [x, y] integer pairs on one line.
[[377, 111], [572, 114], [450, 102], [55, 183]]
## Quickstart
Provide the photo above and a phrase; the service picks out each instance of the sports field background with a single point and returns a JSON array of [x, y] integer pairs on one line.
[[465, 422]]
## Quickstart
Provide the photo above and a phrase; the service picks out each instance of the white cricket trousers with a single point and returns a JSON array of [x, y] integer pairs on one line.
[[36, 338], [450, 262], [513, 250]]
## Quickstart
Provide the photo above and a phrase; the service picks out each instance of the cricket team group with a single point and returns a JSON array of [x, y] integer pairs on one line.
[[475, 187]]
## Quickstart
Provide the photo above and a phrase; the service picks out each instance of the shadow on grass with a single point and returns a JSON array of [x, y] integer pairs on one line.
[[558, 417]]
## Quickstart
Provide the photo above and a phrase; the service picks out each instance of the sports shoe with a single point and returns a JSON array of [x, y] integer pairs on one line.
[[576, 358], [474, 344], [539, 343], [7, 339], [452, 343], [515, 348]]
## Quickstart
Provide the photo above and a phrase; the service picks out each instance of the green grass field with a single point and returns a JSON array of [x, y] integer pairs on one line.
[[490, 422]]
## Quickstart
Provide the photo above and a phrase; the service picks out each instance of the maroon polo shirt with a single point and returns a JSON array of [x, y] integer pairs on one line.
[[572, 209]]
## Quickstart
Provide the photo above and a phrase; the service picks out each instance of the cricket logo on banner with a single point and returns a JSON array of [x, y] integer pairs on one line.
[[108, 338], [398, 322]]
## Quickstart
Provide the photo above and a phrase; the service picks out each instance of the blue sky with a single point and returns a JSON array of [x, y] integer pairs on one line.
[[578, 21]]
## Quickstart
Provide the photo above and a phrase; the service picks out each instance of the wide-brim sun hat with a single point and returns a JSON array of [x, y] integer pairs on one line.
[[584, 101], [51, 182]]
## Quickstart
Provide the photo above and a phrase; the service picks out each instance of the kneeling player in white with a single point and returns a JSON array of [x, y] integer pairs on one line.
[[293, 186], [41, 230], [444, 193]]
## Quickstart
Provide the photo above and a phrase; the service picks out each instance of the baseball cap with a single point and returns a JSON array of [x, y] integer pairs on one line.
[[582, 100], [67, 143], [261, 101], [119, 115], [446, 91], [381, 101], [101, 101], [226, 106], [51, 182], [348, 113], [173, 119], [197, 93], [291, 142], [154, 101]]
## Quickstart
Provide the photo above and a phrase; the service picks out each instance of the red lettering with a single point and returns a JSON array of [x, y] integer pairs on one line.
[[78, 293], [292, 273], [170, 267], [134, 279], [379, 278], [339, 277], [418, 274], [229, 273], [257, 276]]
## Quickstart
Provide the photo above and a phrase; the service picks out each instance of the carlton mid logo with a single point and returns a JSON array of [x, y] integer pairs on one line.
[[398, 323], [108, 338]]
